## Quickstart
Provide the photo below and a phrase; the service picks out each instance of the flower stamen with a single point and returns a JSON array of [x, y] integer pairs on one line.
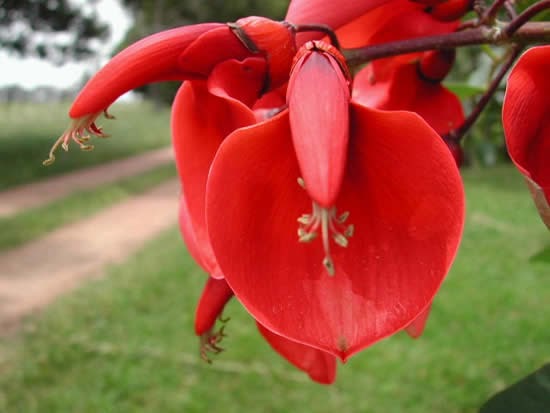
[[331, 226], [209, 341], [79, 131]]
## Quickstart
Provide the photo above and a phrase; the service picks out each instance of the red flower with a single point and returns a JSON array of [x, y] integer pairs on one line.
[[386, 202], [332, 13], [414, 86], [320, 366], [527, 126], [190, 52]]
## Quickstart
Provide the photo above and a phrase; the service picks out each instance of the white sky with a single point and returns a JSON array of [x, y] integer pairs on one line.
[[32, 72]]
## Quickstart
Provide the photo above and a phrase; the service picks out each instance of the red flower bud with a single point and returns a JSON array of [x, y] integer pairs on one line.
[[435, 65], [450, 10], [318, 101]]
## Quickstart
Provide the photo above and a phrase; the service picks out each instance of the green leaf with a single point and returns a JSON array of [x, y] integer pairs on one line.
[[530, 395], [464, 90]]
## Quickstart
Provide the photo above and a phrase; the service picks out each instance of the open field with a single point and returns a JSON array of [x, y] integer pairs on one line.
[[125, 343]]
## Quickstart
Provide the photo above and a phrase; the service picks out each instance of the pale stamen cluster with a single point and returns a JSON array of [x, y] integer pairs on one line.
[[331, 226], [209, 341], [79, 132]]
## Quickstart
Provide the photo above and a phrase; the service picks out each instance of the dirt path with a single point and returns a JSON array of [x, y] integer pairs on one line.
[[33, 275], [39, 193]]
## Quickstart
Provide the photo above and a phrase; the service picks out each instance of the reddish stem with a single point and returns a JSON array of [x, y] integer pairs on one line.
[[491, 12], [458, 133], [527, 15]]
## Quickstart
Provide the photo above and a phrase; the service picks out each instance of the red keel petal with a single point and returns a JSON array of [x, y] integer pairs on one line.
[[319, 120], [404, 196], [319, 365]]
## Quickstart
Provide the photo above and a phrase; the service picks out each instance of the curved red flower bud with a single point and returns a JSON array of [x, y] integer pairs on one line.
[[168, 55], [435, 65], [319, 365], [401, 191], [527, 125], [190, 52], [450, 10], [318, 100]]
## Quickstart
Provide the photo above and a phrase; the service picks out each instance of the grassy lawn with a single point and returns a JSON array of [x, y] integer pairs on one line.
[[27, 131], [125, 343], [35, 222]]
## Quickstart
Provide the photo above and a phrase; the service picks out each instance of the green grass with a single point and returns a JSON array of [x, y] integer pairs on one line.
[[27, 131], [34, 222], [125, 343]]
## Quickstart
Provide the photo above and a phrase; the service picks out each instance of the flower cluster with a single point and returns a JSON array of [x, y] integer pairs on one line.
[[327, 202]]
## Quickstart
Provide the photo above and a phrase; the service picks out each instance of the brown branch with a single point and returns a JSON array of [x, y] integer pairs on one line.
[[527, 15], [458, 133], [536, 32]]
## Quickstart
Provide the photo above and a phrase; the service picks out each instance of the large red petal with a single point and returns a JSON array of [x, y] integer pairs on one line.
[[319, 365], [527, 125], [319, 120], [200, 121], [405, 198], [525, 115]]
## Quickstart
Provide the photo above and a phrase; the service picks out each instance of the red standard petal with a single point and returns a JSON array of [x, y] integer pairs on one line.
[[200, 121], [319, 365], [526, 123], [404, 196], [319, 119]]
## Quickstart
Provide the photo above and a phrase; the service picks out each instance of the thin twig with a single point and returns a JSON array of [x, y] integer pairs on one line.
[[526, 15], [458, 133], [510, 9], [491, 13]]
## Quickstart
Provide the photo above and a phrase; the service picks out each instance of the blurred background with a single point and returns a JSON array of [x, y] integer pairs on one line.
[[97, 291]]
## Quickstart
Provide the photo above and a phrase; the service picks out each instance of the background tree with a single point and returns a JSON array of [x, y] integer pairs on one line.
[[52, 29]]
